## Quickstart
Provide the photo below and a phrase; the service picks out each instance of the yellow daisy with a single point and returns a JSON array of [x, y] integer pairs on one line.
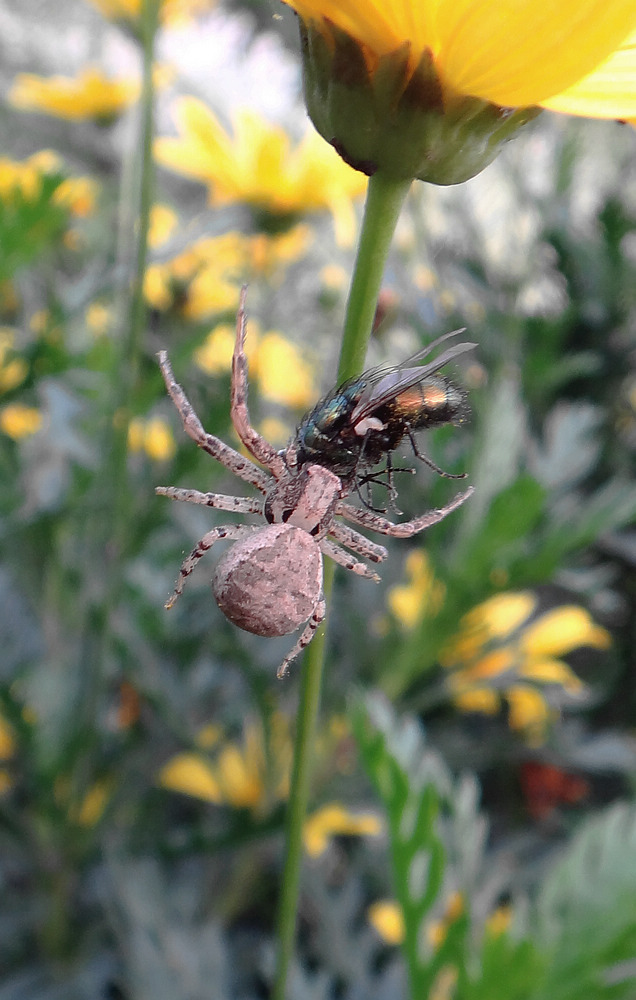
[[259, 165], [91, 95]]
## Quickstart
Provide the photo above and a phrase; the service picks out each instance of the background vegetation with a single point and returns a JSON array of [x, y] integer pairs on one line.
[[476, 760]]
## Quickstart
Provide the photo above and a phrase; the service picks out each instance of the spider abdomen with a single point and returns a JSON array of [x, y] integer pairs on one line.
[[270, 583]]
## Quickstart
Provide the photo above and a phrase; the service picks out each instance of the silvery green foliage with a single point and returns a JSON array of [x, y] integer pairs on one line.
[[437, 840], [586, 912]]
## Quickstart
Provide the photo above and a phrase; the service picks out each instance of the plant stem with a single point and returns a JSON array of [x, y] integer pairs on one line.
[[384, 201], [111, 498], [382, 208]]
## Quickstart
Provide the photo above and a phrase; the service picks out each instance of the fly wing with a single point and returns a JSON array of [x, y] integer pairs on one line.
[[385, 384]]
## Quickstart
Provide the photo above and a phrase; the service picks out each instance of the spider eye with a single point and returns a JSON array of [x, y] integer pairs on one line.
[[285, 516]]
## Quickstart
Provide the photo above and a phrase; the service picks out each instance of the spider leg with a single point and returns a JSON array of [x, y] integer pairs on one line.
[[427, 461], [241, 467], [317, 618], [367, 519], [242, 505], [231, 531], [358, 543], [261, 449], [348, 562]]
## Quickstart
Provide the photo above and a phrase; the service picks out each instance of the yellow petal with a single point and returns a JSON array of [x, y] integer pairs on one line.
[[190, 774], [333, 819], [608, 92], [529, 712], [386, 916], [520, 52], [514, 53], [561, 630], [549, 671]]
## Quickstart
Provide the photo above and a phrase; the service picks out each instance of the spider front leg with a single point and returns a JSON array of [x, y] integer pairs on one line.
[[317, 618], [241, 467], [261, 449], [239, 505], [227, 531], [367, 519]]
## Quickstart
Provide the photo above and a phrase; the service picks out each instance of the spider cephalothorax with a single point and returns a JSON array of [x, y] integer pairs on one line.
[[270, 581]]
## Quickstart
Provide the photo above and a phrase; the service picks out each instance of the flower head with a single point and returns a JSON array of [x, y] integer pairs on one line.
[[429, 89], [500, 650], [91, 95], [259, 166]]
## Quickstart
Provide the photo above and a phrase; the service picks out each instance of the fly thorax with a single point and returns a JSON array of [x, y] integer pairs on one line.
[[306, 500]]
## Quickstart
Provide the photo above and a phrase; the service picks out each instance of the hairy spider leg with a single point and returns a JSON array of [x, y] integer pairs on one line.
[[240, 466], [347, 561], [240, 505], [358, 543], [367, 519], [228, 531], [317, 618], [261, 449]]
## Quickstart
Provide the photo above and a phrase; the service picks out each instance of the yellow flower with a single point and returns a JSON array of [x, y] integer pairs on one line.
[[388, 920], [91, 95], [78, 195], [575, 56], [283, 375], [98, 318], [334, 820], [498, 652], [422, 597], [163, 222], [171, 12], [259, 166], [152, 436], [215, 354], [7, 740], [13, 371], [412, 88], [252, 774], [18, 421]]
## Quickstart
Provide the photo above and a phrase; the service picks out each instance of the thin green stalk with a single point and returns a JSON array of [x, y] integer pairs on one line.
[[384, 200], [111, 499]]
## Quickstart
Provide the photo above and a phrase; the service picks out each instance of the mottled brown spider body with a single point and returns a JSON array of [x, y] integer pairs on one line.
[[270, 581]]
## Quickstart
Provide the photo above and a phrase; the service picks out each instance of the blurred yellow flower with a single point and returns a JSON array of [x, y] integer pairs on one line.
[[98, 318], [171, 12], [576, 56], [18, 421], [78, 195], [250, 774], [163, 222], [387, 919], [497, 652], [7, 740], [334, 820], [258, 166], [283, 375], [215, 354], [206, 277], [25, 176], [13, 370], [276, 365], [152, 436], [422, 597], [91, 95]]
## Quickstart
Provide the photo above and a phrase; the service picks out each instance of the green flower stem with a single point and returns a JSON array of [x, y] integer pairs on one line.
[[383, 204], [385, 198]]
